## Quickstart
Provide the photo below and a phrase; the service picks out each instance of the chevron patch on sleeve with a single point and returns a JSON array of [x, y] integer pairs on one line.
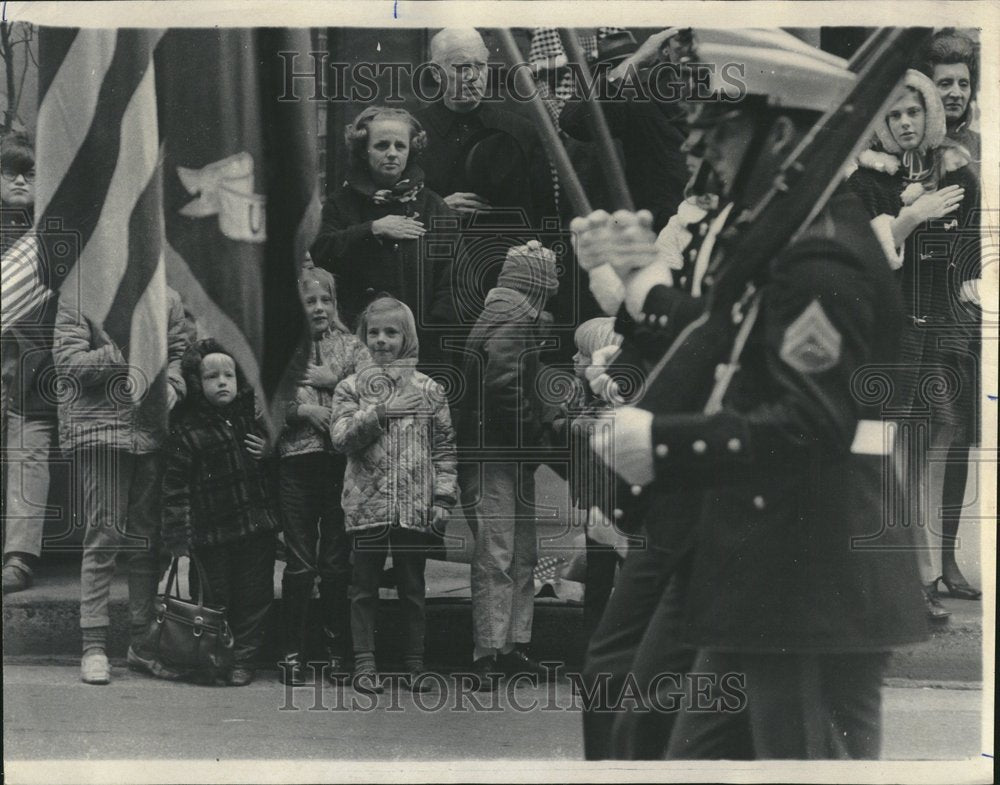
[[811, 343]]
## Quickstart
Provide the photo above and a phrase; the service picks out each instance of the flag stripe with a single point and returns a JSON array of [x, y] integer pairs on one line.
[[143, 258], [69, 113], [20, 290], [105, 256], [52, 50], [82, 191]]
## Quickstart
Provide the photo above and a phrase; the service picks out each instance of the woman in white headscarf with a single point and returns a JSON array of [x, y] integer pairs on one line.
[[921, 194]]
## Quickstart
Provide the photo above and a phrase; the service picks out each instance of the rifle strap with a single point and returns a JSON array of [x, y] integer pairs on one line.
[[746, 310]]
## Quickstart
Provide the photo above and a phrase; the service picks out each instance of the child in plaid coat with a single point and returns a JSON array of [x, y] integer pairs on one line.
[[216, 505]]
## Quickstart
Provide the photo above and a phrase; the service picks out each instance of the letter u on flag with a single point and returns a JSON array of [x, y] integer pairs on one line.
[[165, 157]]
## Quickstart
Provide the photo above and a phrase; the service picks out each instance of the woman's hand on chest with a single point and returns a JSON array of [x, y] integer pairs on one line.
[[398, 227]]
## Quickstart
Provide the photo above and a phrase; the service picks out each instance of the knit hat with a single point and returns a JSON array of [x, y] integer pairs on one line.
[[934, 120], [595, 334], [531, 270]]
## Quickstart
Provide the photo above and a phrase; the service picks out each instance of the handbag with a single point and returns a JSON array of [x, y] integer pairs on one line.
[[190, 636]]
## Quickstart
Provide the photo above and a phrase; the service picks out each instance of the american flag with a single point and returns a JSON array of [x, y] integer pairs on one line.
[[21, 288], [165, 155]]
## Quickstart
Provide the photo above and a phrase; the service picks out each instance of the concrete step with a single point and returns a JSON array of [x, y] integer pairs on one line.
[[44, 622]]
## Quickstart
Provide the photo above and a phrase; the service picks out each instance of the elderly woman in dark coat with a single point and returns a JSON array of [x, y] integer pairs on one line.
[[920, 193], [374, 234]]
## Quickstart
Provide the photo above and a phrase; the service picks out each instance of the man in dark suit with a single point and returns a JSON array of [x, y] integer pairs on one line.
[[460, 120], [764, 507]]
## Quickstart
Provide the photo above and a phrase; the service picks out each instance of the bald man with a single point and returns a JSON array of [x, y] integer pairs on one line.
[[460, 117]]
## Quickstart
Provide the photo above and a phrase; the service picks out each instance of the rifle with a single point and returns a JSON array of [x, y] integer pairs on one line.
[[695, 371]]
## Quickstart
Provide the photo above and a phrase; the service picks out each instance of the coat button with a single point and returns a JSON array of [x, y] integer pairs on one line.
[[663, 321], [734, 445], [759, 503], [661, 451], [636, 490], [700, 447], [652, 318], [617, 514]]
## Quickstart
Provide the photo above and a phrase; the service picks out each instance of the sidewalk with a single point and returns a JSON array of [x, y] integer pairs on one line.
[[43, 622], [140, 717]]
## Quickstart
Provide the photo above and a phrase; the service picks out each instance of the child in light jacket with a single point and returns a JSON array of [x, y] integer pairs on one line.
[[394, 425]]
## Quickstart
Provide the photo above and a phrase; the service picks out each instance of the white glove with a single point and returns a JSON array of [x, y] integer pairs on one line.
[[624, 240], [627, 447], [607, 288]]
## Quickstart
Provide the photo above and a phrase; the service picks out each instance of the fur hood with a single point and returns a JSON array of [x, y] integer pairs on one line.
[[934, 120]]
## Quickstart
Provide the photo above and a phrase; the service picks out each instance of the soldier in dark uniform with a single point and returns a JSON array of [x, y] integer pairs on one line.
[[791, 584]]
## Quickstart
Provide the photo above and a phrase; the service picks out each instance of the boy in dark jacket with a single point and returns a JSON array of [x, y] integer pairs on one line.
[[497, 484], [216, 506]]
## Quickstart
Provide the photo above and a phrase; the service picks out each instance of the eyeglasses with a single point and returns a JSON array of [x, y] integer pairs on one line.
[[10, 176]]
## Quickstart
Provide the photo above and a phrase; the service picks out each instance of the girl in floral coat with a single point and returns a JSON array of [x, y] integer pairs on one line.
[[394, 425]]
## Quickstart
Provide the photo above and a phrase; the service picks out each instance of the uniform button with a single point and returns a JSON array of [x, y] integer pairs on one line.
[[652, 318], [734, 445], [663, 321], [708, 280], [700, 447], [661, 451], [617, 514], [759, 503], [693, 254], [703, 229], [636, 490]]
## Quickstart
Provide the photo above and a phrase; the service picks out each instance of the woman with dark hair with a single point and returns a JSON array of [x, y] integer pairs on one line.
[[375, 225], [951, 62], [919, 191], [17, 188]]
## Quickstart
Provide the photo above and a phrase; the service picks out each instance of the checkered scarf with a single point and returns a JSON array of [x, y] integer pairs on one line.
[[403, 191]]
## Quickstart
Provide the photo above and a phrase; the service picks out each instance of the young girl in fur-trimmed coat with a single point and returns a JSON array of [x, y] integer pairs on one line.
[[921, 195], [394, 425]]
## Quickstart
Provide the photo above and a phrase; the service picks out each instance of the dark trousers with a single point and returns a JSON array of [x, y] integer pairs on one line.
[[371, 547], [316, 543], [241, 577], [602, 562], [639, 635], [798, 706]]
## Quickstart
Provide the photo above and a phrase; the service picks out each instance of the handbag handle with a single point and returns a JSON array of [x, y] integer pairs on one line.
[[174, 581]]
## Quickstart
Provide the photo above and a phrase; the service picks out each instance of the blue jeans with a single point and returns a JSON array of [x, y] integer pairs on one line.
[[119, 501], [371, 547], [502, 519], [27, 446]]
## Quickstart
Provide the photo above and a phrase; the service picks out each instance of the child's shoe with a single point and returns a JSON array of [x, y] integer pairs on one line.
[[367, 681], [415, 679], [293, 670], [240, 677], [17, 575], [95, 668], [338, 669], [140, 661]]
